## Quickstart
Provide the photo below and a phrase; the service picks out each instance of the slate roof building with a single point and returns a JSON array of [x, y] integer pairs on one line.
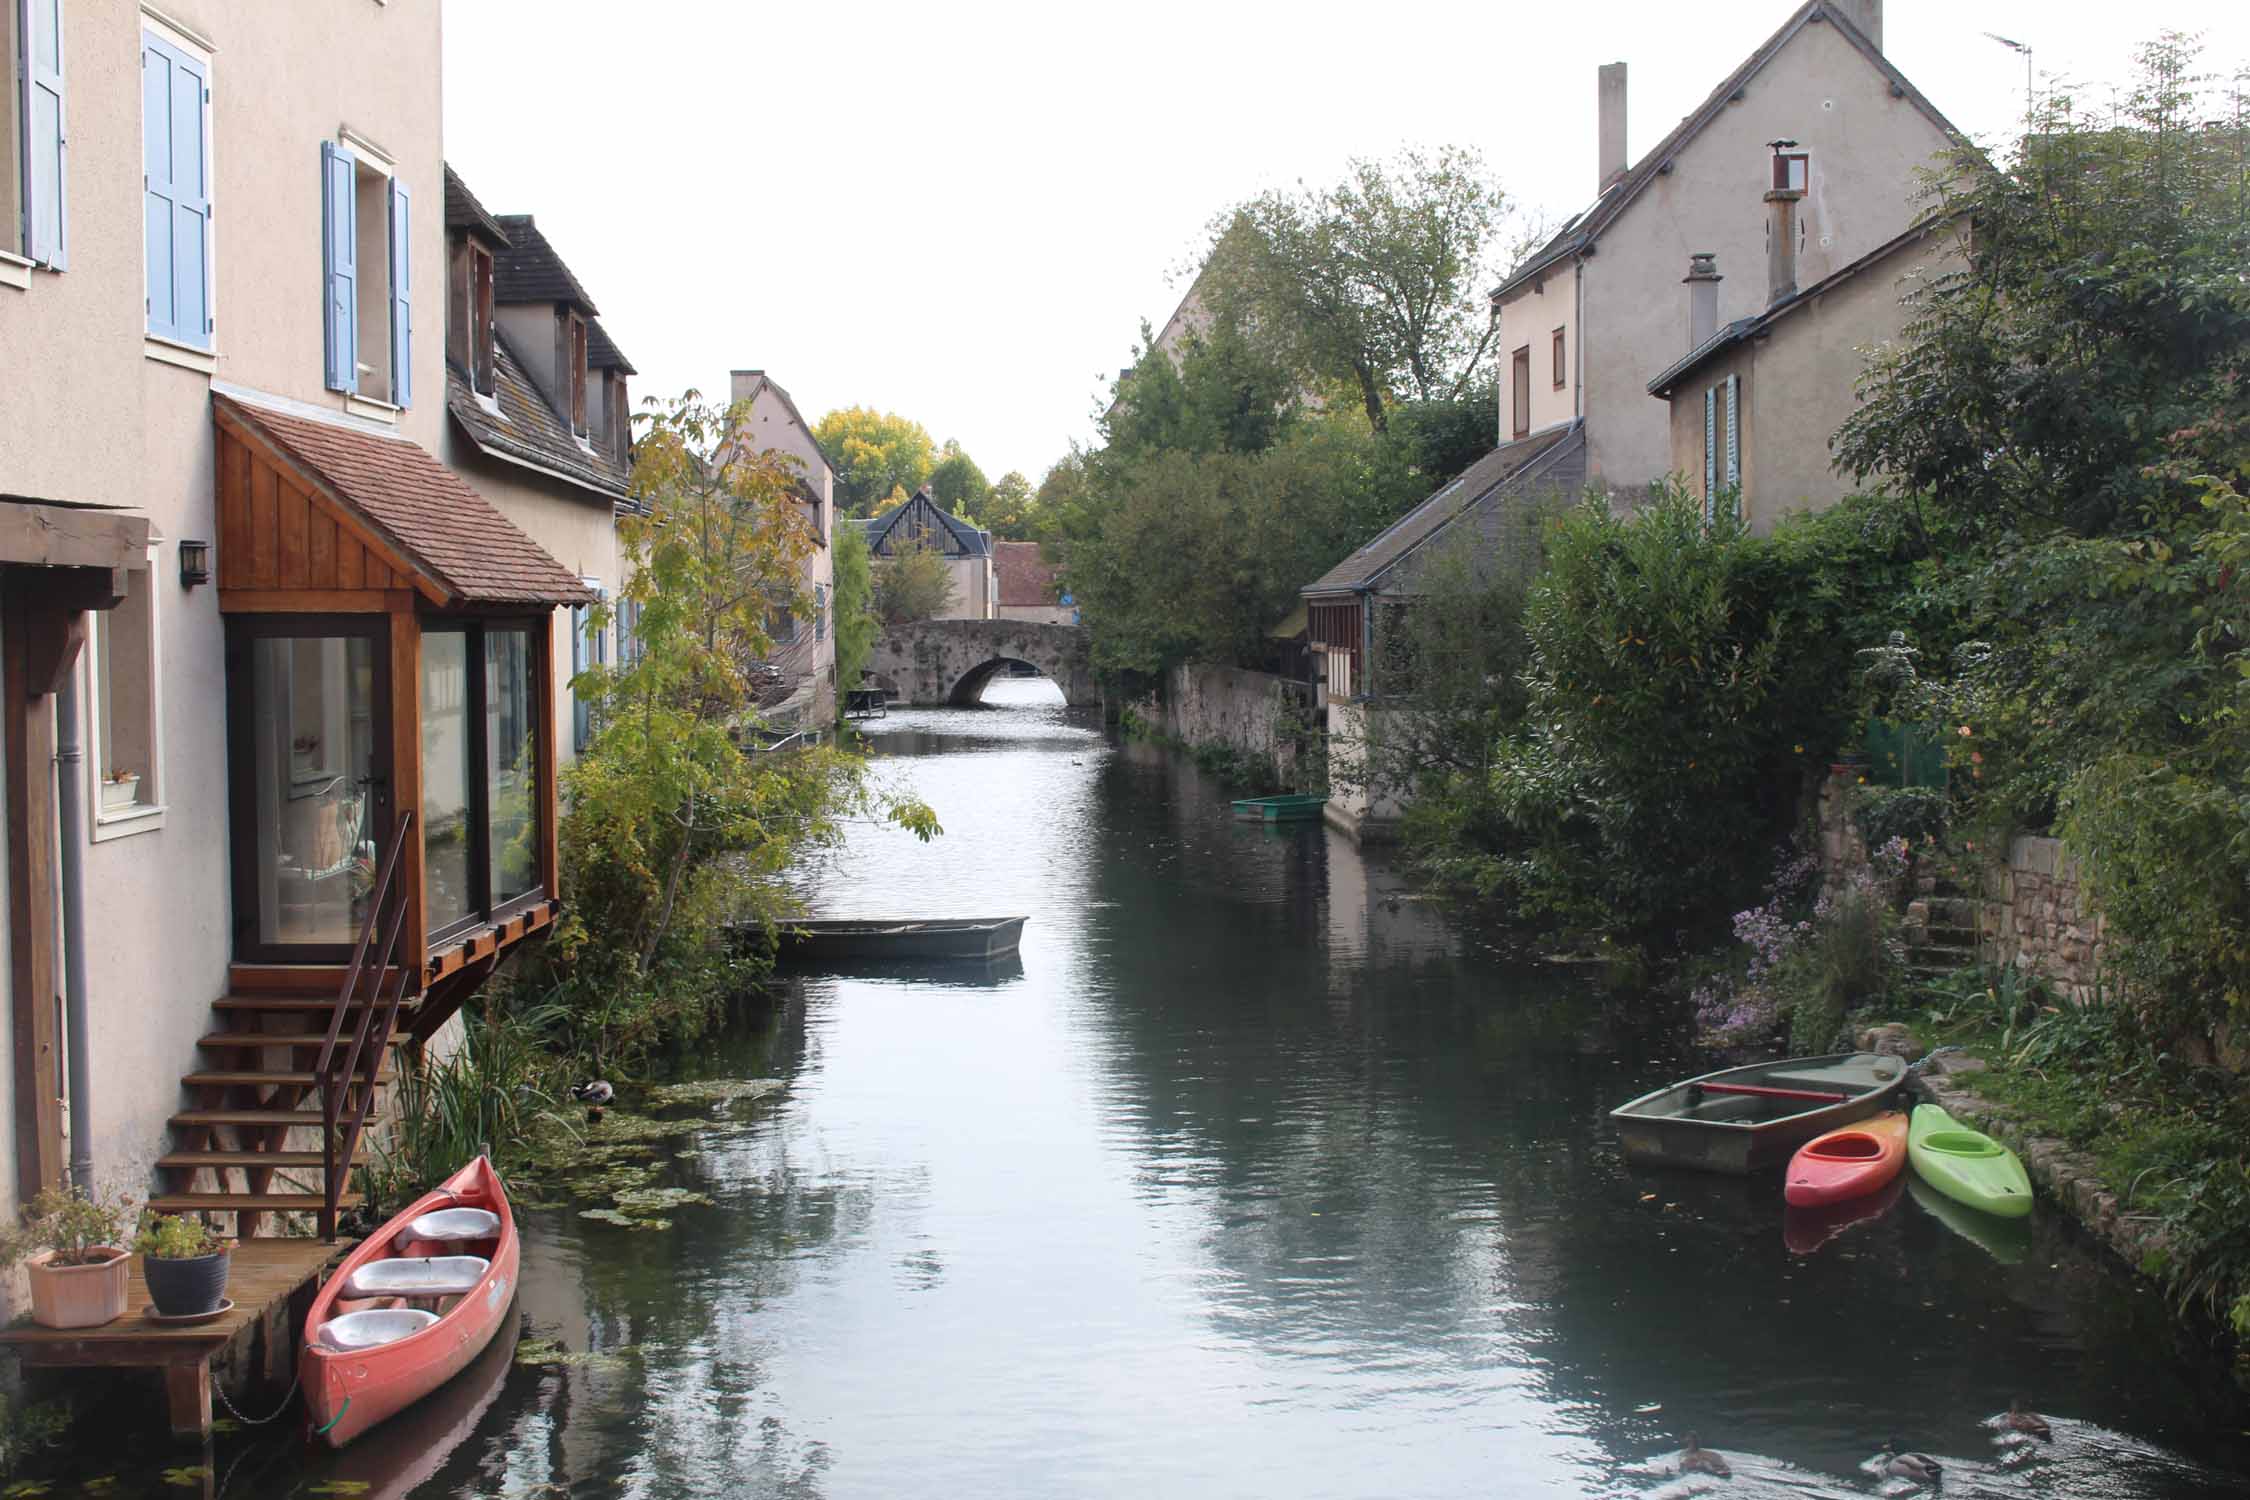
[[804, 643], [540, 416], [967, 551]]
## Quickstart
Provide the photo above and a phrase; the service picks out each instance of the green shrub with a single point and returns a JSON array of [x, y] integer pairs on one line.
[[175, 1237], [1916, 814], [72, 1224]]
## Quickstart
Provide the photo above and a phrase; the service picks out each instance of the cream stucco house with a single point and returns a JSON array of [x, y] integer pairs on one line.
[[804, 647], [302, 657], [1818, 110], [541, 420], [1751, 405]]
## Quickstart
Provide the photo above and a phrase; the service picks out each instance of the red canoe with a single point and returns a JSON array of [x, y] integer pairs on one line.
[[411, 1307], [1847, 1163]]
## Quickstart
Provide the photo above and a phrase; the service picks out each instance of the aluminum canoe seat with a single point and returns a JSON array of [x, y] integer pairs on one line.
[[417, 1276], [372, 1330], [449, 1225]]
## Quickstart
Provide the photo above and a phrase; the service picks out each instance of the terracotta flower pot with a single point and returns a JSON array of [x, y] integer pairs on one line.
[[192, 1284], [77, 1296]]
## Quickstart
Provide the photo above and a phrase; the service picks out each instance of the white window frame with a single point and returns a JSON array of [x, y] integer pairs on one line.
[[141, 817], [203, 359], [588, 648], [373, 159]]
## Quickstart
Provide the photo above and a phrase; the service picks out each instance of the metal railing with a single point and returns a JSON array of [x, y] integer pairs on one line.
[[347, 1083]]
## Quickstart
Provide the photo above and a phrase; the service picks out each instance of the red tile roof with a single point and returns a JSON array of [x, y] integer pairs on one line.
[[1025, 577], [451, 533]]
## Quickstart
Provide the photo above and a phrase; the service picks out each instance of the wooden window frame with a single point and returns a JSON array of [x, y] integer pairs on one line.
[[1787, 180], [541, 723], [241, 631], [577, 358], [1519, 390], [144, 816], [1561, 357], [481, 365]]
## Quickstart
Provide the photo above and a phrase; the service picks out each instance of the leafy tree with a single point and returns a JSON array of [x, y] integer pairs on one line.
[[854, 602], [956, 483], [671, 833], [1374, 285], [2102, 306], [876, 455], [1225, 395], [1008, 510], [913, 583]]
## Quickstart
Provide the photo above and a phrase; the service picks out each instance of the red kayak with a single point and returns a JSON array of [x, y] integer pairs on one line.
[[411, 1307], [1847, 1163]]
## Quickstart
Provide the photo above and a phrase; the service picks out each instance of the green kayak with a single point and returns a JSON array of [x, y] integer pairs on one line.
[[1966, 1165]]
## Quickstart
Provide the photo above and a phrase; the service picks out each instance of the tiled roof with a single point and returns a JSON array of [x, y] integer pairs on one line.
[[529, 270], [1584, 228], [1364, 568], [960, 539], [1026, 578], [602, 352], [462, 211], [451, 533], [525, 427]]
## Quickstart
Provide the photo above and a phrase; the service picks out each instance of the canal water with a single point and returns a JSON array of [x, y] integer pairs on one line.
[[1254, 1175]]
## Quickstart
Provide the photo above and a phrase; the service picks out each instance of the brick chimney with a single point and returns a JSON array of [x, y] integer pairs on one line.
[[1702, 281], [1781, 243], [1866, 17], [1611, 89]]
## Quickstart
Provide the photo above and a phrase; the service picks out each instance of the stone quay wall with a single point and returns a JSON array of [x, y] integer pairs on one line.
[[1254, 714]]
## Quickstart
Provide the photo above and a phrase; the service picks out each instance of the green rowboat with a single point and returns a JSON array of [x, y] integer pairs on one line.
[[1966, 1165], [1289, 809]]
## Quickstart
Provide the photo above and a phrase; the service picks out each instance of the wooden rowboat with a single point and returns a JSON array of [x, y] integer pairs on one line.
[[411, 1307], [1295, 807], [1740, 1119], [811, 940]]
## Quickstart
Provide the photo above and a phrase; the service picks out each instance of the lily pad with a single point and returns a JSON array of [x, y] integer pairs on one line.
[[341, 1487], [189, 1476], [714, 1091], [656, 1199], [546, 1354]]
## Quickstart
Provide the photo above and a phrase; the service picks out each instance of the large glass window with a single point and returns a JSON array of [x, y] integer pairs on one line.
[[447, 855], [511, 768], [481, 742], [311, 779]]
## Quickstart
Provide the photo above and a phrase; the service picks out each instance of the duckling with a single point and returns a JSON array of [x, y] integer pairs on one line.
[[1697, 1459], [2029, 1423], [1918, 1467], [594, 1094]]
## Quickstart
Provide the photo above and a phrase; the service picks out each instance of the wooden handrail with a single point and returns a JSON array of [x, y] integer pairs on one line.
[[379, 931]]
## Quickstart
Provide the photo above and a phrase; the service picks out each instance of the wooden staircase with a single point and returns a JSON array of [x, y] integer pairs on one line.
[[285, 1062]]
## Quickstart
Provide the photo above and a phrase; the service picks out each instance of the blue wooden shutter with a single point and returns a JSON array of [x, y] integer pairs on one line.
[[339, 250], [581, 719], [402, 308], [176, 194], [46, 146]]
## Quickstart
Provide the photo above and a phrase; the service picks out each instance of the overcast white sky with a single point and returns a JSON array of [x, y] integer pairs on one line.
[[962, 213]]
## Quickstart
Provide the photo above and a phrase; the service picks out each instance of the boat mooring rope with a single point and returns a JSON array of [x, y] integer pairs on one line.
[[220, 1391], [332, 1421]]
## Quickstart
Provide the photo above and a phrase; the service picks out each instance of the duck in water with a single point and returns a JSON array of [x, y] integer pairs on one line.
[[2029, 1423], [1918, 1467], [1697, 1459], [595, 1095]]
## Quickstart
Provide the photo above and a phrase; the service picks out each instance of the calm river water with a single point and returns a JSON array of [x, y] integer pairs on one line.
[[1256, 1176]]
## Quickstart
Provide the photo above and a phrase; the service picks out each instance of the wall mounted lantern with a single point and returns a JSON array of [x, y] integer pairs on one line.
[[195, 563]]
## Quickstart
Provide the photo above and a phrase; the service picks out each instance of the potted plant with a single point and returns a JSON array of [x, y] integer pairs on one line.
[[67, 1244], [184, 1263], [122, 789]]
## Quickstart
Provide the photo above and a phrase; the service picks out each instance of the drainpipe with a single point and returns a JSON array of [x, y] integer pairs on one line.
[[70, 818]]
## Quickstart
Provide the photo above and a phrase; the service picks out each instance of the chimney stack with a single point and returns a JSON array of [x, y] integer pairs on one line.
[[1781, 243], [1866, 17], [1612, 136], [1702, 297], [740, 383]]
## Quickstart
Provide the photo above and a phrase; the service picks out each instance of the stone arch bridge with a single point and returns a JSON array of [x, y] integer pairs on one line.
[[938, 662]]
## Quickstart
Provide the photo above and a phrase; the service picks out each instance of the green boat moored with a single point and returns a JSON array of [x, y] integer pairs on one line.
[[1966, 1165]]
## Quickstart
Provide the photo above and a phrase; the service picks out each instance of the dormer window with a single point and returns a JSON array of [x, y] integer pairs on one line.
[[620, 421], [480, 323]]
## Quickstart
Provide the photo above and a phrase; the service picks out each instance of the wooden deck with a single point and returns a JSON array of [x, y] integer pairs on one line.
[[272, 1283]]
